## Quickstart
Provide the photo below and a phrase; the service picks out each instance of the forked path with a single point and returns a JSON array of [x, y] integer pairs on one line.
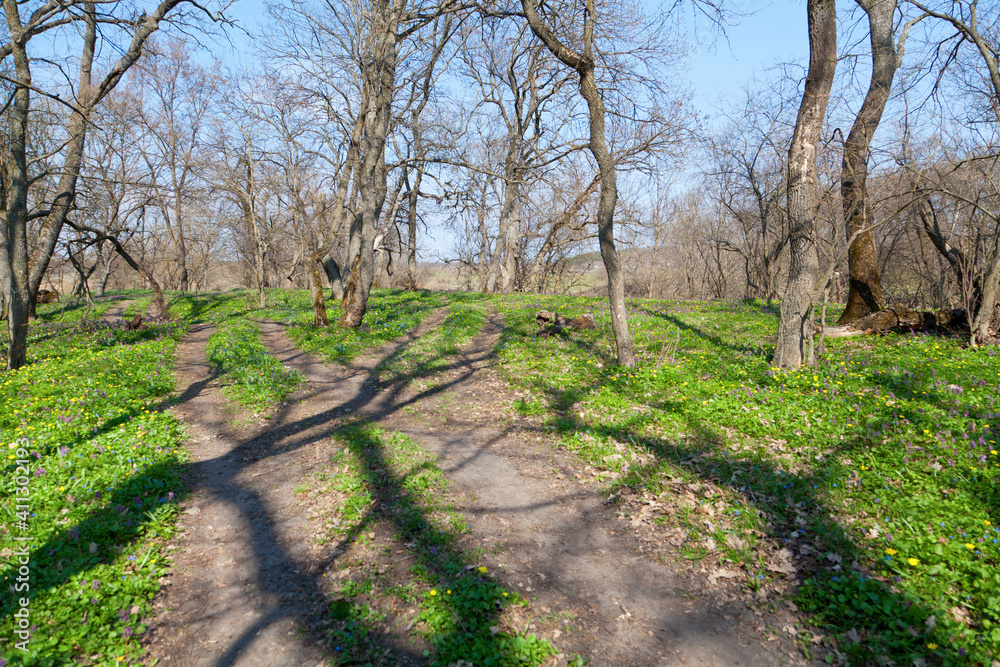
[[245, 588]]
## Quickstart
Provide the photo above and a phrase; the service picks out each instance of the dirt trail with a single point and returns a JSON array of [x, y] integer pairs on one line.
[[559, 543], [239, 593], [246, 588], [117, 311]]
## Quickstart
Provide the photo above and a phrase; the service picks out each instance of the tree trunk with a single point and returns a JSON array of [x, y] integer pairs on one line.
[[332, 270], [511, 192], [103, 286], [162, 312], [380, 79], [66, 190], [793, 347], [584, 65], [865, 286], [411, 218], [13, 236], [320, 318], [509, 269]]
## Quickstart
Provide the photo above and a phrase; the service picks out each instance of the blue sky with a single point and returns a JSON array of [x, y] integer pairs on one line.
[[774, 32]]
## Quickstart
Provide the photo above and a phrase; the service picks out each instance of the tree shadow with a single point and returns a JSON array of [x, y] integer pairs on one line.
[[838, 593]]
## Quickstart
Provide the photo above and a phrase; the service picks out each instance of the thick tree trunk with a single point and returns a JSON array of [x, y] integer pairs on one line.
[[380, 80], [794, 339], [509, 269], [986, 308], [511, 192], [332, 270], [865, 286], [13, 235]]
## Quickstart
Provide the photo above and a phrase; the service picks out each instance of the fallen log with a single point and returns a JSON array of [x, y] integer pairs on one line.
[[552, 324], [47, 296], [901, 318]]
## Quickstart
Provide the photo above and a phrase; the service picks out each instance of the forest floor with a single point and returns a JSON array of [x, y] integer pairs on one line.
[[444, 486], [252, 585]]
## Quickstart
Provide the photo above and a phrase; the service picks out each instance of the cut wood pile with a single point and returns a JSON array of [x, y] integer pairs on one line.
[[552, 324]]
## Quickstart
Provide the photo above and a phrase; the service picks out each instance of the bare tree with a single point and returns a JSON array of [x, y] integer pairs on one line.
[[963, 18], [24, 24], [583, 63], [865, 285]]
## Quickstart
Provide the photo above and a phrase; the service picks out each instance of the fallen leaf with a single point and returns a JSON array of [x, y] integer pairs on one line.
[[722, 573]]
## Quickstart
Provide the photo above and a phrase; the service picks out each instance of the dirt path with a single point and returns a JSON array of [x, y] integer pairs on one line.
[[246, 586], [240, 593], [117, 311]]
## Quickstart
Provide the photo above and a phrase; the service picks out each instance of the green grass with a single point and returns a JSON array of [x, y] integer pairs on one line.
[[102, 460], [387, 478], [882, 453], [391, 314], [438, 348], [252, 377], [874, 473]]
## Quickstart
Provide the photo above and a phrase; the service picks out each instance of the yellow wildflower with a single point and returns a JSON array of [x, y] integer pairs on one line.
[[913, 561]]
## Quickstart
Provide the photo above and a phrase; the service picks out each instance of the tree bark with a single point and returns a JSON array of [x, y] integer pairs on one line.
[[793, 347], [380, 76], [583, 64], [865, 285], [13, 232], [320, 318]]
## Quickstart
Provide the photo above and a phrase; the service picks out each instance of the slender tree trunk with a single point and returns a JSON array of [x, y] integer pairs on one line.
[[411, 218], [794, 347], [162, 312], [103, 286], [865, 286], [66, 189], [584, 65]]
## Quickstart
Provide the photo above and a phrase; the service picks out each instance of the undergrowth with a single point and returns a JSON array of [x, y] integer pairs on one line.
[[90, 488]]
